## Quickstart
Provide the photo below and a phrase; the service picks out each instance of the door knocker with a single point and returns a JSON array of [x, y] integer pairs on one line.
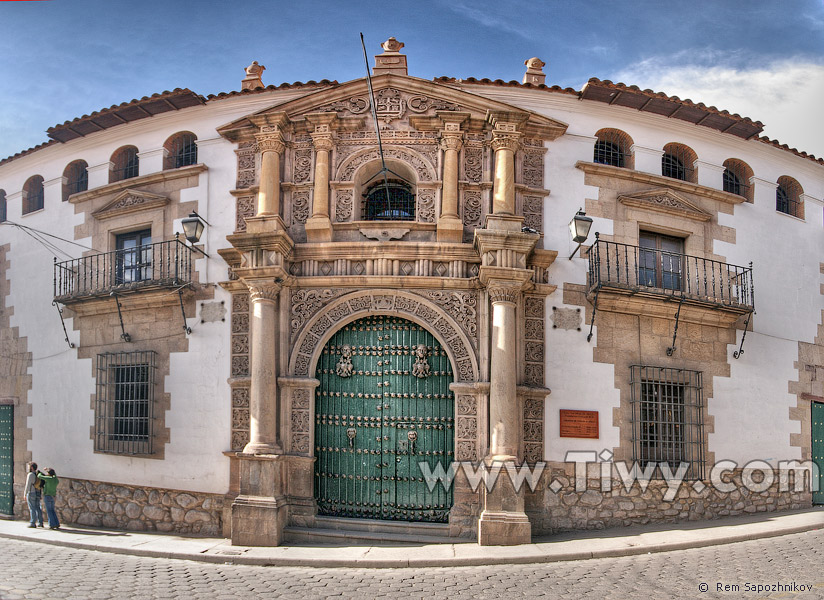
[[413, 436], [344, 367], [351, 433], [421, 368]]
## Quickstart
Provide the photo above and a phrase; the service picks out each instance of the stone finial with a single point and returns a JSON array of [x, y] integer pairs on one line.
[[391, 61], [253, 79], [534, 71]]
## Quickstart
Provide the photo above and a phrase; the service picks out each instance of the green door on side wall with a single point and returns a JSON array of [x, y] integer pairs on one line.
[[6, 459], [818, 449], [383, 406]]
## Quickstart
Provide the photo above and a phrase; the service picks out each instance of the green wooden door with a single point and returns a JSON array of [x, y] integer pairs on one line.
[[6, 459], [818, 448], [382, 407]]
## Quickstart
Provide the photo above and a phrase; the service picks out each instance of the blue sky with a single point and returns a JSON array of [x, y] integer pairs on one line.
[[62, 59]]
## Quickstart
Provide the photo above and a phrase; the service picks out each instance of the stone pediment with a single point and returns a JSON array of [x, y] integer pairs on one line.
[[665, 201], [128, 201], [397, 98]]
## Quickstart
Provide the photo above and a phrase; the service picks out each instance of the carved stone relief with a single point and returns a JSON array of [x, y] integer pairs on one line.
[[244, 207], [472, 213], [532, 172], [473, 163], [533, 209], [466, 432], [426, 206], [302, 165], [343, 205], [424, 169], [533, 430], [300, 206], [300, 420], [246, 175], [308, 303], [534, 340]]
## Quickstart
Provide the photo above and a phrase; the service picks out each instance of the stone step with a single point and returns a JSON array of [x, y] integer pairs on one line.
[[379, 526], [350, 536]]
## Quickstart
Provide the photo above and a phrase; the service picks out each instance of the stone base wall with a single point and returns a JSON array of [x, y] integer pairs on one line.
[[118, 506], [566, 510]]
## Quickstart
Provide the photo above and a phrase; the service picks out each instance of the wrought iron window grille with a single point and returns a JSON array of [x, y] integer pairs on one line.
[[668, 419], [734, 185], [124, 402], [609, 153], [391, 201], [788, 199]]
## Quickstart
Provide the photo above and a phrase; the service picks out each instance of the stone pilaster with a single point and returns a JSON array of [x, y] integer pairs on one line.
[[506, 140], [263, 401], [319, 226]]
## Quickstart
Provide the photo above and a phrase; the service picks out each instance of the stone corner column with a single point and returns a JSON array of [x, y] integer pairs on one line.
[[271, 145], [503, 520], [319, 226], [263, 395], [260, 512]]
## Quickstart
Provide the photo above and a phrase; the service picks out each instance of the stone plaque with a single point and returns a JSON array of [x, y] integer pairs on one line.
[[579, 424]]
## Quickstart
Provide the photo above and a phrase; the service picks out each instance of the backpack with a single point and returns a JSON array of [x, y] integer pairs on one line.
[[39, 484]]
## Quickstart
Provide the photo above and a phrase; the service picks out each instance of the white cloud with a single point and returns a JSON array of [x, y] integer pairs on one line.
[[785, 95]]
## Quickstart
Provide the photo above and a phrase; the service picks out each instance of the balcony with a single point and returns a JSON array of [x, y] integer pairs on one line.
[[161, 265], [638, 271]]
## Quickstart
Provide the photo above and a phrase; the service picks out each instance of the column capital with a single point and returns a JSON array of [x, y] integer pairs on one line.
[[323, 141], [270, 141], [504, 293], [506, 140], [263, 290], [451, 140]]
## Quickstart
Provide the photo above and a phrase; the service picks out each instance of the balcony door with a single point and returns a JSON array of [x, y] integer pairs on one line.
[[133, 257], [660, 261]]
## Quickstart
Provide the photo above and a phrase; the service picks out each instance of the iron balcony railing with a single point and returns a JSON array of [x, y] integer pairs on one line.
[[637, 269], [158, 265]]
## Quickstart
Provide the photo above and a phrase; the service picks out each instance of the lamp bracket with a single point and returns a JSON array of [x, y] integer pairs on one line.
[[671, 349], [123, 335], [186, 328], [63, 323]]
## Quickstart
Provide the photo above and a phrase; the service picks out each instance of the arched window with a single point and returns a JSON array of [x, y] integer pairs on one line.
[[33, 194], [126, 164], [788, 197], [737, 176], [76, 178], [613, 148], [677, 162], [390, 201], [2, 206], [181, 151]]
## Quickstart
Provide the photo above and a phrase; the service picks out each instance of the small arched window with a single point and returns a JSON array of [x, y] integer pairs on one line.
[[390, 201], [737, 176], [181, 151], [126, 164], [788, 197], [76, 178], [33, 194], [613, 148], [2, 206], [678, 162]]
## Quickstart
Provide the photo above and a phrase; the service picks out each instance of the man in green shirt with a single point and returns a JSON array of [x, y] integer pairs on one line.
[[50, 482]]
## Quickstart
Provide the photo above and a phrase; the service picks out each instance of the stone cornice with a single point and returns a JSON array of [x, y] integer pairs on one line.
[[277, 241], [393, 250], [505, 277], [659, 180], [135, 182]]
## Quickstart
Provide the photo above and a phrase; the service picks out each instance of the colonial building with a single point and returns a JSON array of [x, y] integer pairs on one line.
[[358, 312]]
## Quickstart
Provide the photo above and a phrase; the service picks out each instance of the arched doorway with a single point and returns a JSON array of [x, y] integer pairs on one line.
[[383, 406]]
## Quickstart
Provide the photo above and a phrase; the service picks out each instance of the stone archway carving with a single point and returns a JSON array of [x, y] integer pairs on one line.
[[417, 161], [331, 309]]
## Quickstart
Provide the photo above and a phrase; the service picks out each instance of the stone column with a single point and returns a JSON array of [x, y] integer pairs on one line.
[[263, 401], [270, 144], [450, 228], [503, 413], [318, 226]]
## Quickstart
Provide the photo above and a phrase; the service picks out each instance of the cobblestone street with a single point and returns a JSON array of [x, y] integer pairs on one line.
[[40, 571]]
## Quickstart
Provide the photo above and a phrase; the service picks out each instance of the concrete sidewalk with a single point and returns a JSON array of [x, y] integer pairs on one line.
[[568, 546]]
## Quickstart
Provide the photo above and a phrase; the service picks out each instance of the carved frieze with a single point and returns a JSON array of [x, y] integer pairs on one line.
[[666, 201], [425, 169], [461, 306], [390, 104], [306, 303], [128, 201]]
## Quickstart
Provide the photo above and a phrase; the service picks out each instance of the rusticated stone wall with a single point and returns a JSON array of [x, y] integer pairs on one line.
[[116, 506], [565, 510]]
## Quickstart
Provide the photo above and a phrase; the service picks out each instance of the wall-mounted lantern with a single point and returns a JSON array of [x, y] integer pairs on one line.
[[579, 228], [193, 226]]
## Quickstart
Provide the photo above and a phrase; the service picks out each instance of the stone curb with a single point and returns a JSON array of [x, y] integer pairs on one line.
[[532, 553]]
